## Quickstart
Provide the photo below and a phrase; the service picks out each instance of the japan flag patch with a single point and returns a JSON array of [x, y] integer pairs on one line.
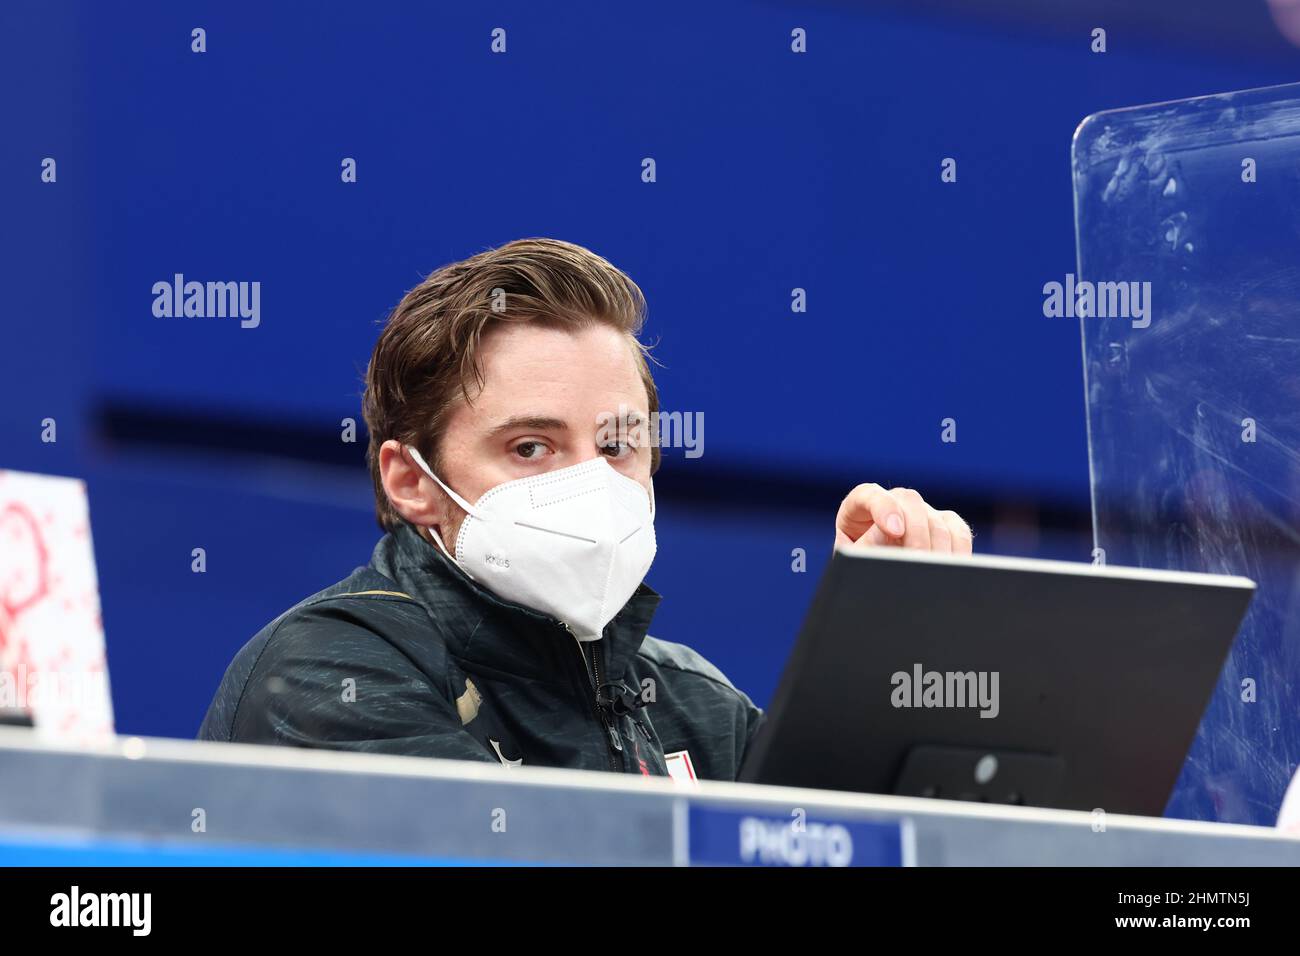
[[682, 770]]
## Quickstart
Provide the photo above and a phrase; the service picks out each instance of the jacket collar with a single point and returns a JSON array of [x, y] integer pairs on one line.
[[480, 628]]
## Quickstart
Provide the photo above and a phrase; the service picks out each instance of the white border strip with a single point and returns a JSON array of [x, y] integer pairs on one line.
[[908, 836], [1077, 568], [681, 832]]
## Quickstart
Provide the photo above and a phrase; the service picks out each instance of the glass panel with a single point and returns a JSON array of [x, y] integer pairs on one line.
[[1193, 397]]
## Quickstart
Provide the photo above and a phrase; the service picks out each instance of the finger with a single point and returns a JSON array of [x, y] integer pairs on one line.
[[874, 538], [916, 514], [877, 538], [940, 535], [962, 539], [865, 507]]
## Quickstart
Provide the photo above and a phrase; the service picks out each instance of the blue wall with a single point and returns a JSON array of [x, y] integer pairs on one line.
[[775, 171]]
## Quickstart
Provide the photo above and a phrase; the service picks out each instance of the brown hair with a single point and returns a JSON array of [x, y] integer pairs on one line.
[[428, 350]]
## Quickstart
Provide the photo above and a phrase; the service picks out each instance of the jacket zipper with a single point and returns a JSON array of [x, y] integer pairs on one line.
[[595, 665], [593, 675]]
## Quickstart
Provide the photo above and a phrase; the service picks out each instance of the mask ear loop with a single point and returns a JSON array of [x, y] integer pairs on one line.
[[464, 505], [424, 466]]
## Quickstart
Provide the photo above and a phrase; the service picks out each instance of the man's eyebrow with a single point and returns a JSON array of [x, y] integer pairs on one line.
[[531, 423]]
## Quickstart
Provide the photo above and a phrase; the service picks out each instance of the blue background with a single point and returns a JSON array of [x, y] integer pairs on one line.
[[775, 171]]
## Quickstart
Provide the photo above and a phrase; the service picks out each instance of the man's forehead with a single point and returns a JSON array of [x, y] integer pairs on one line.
[[570, 378]]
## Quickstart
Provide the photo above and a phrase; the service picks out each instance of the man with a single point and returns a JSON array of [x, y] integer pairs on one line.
[[503, 617]]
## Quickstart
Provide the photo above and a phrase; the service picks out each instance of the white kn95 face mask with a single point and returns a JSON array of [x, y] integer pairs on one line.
[[573, 543]]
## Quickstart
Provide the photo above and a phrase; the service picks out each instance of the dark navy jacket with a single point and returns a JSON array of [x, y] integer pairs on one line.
[[409, 656]]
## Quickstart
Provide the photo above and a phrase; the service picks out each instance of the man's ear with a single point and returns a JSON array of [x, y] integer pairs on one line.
[[411, 492]]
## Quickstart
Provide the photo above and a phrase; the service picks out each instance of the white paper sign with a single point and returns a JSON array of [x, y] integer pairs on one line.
[[52, 664]]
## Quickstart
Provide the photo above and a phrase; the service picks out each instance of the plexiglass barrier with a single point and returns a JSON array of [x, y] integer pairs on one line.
[[1188, 293]]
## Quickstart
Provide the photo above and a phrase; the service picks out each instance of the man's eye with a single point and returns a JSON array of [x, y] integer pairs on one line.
[[616, 450], [528, 449]]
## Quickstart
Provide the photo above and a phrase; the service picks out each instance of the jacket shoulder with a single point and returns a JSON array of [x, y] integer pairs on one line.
[[353, 621], [363, 583], [679, 657]]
